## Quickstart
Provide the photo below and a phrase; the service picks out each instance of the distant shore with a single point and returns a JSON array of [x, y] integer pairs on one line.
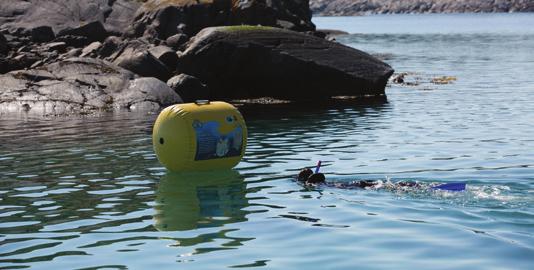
[[362, 7]]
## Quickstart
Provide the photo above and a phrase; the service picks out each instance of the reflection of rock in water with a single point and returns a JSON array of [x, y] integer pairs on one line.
[[191, 200]]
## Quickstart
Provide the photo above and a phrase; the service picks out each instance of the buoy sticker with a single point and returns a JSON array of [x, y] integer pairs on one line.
[[211, 144]]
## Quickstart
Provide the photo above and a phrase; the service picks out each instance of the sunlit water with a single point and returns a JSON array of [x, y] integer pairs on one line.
[[88, 193]]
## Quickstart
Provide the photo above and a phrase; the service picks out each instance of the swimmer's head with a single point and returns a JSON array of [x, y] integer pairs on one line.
[[316, 178], [304, 174]]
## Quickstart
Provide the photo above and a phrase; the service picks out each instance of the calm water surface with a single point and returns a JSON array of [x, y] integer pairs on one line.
[[88, 193]]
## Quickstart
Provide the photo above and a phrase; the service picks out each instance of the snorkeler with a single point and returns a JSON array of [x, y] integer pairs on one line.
[[308, 177]]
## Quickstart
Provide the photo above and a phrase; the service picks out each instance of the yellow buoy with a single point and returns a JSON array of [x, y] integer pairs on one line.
[[199, 136]]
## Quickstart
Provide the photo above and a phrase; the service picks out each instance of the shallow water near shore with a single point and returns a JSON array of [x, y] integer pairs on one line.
[[89, 193]]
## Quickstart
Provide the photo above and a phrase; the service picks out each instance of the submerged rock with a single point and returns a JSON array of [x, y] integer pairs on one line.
[[250, 62], [80, 85]]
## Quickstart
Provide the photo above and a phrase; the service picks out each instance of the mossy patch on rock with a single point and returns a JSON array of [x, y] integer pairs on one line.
[[238, 28]]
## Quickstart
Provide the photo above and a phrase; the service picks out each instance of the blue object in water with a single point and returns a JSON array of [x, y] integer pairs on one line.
[[451, 187], [318, 167]]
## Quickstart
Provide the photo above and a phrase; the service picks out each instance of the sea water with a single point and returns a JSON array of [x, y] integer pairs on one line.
[[89, 193]]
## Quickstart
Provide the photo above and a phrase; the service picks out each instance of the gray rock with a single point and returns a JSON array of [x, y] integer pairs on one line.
[[75, 52], [3, 45], [330, 33], [121, 16], [189, 88], [147, 93], [143, 63], [21, 61], [166, 55], [176, 41], [91, 49], [250, 62], [73, 41], [115, 15], [4, 65], [157, 19], [56, 46], [289, 14], [93, 31], [42, 34], [110, 45], [37, 64], [24, 49], [11, 10], [81, 85]]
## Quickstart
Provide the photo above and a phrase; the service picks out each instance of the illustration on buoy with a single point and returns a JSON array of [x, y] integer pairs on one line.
[[199, 136]]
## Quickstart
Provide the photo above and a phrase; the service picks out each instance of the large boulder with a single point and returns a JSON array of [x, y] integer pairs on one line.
[[252, 61], [147, 94], [189, 88], [138, 59], [42, 34], [162, 19], [79, 85]]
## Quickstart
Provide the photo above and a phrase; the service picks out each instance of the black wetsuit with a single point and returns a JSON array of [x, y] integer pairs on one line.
[[309, 178]]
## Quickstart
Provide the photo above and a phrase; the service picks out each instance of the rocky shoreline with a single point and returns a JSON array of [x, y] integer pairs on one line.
[[362, 7], [69, 56]]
